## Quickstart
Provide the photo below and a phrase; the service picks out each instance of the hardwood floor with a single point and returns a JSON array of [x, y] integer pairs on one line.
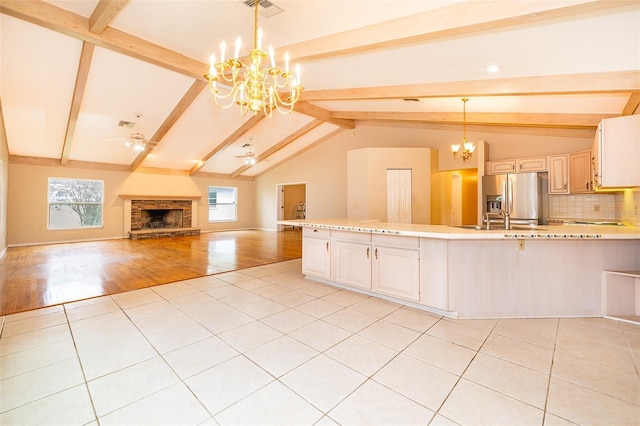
[[38, 276]]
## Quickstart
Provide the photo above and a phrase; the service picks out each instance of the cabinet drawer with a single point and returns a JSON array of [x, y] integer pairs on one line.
[[396, 241], [316, 232], [355, 237]]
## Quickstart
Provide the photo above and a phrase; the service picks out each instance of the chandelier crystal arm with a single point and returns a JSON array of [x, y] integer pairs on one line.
[[253, 87]]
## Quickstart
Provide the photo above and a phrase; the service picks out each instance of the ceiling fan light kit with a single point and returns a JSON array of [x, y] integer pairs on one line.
[[257, 89], [136, 141], [250, 158]]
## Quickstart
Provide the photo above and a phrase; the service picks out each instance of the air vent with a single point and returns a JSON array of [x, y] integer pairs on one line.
[[129, 124], [266, 9], [411, 100]]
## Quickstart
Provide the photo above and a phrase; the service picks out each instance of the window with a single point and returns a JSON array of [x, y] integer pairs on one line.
[[75, 203], [222, 204]]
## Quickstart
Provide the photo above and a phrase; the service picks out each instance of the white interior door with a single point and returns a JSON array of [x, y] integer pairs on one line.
[[399, 195]]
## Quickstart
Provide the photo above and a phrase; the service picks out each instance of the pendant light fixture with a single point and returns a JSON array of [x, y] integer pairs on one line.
[[467, 147]]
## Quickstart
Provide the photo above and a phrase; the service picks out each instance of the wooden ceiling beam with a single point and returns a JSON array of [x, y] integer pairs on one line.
[[104, 13], [76, 101], [277, 147], [530, 131], [188, 98], [57, 19], [454, 20], [460, 19], [323, 114], [566, 84], [560, 121], [631, 106], [244, 128]]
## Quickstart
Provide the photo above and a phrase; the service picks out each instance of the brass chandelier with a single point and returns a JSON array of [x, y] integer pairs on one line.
[[252, 87], [467, 147]]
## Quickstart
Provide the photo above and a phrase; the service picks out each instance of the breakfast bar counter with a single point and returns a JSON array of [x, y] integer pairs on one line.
[[553, 271]]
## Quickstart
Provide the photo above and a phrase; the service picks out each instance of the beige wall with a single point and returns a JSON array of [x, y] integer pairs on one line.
[[367, 181], [4, 173], [324, 168], [27, 204]]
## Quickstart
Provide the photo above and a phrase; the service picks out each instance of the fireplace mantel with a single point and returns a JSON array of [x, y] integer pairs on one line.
[[159, 197]]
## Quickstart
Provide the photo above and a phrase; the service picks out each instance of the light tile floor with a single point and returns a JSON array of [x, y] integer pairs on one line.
[[267, 346]]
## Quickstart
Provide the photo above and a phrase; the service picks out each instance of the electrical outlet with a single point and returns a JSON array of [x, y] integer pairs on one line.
[[520, 245], [596, 207]]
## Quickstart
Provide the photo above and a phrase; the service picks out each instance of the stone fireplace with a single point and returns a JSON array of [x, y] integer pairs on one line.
[[152, 214], [152, 217]]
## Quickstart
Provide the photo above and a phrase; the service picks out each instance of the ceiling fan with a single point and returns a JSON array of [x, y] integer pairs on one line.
[[136, 140], [250, 157]]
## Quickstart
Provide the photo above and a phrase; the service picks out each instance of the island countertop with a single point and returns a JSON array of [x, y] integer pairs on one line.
[[573, 231]]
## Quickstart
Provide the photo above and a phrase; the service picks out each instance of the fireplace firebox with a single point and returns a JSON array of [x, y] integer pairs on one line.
[[159, 214], [161, 218]]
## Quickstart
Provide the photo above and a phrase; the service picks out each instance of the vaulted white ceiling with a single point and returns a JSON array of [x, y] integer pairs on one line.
[[72, 70]]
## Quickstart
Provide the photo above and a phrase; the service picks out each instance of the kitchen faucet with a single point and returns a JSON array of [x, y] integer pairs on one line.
[[506, 218]]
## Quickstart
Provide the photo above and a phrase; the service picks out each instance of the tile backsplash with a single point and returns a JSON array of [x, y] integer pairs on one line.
[[620, 206]]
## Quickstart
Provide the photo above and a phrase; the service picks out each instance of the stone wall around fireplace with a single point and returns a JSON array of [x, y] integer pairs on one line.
[[129, 208]]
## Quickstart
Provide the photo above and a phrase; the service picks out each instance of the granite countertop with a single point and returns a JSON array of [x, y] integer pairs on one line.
[[568, 231]]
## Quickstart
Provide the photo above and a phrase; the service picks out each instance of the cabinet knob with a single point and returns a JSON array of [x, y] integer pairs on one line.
[[368, 252], [565, 186], [376, 253], [327, 245], [586, 185]]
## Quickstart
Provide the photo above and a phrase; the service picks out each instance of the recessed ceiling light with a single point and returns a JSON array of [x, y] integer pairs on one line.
[[493, 68]]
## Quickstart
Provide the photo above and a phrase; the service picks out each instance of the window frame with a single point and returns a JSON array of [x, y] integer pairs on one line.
[[50, 203], [217, 203]]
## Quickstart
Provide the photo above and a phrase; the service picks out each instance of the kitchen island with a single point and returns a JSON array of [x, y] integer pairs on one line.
[[554, 271]]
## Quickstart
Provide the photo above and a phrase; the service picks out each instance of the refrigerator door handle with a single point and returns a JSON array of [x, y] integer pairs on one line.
[[505, 192], [510, 183]]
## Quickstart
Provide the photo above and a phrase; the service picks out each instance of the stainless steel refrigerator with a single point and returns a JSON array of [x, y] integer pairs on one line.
[[522, 195]]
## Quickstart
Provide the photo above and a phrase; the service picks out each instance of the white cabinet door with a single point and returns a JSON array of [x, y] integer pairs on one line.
[[396, 272], [504, 166], [538, 164], [580, 172], [353, 264], [618, 153], [316, 257], [558, 174]]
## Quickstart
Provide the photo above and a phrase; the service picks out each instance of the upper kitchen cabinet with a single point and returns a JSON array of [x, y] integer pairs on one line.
[[580, 172], [616, 152], [558, 174], [502, 166], [520, 165]]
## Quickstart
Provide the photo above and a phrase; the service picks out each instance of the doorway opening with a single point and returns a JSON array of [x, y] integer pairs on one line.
[[292, 202]]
